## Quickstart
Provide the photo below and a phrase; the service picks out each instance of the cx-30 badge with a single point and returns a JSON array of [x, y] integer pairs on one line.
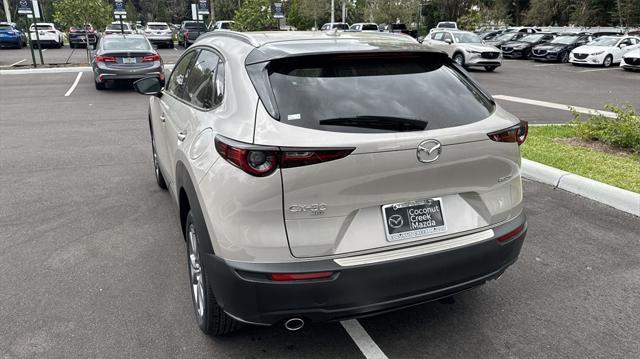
[[429, 151], [395, 221]]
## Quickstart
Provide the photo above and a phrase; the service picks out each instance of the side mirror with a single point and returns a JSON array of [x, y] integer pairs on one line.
[[149, 86], [448, 41]]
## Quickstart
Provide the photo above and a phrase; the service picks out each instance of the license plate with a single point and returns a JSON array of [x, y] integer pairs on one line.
[[415, 219], [128, 60]]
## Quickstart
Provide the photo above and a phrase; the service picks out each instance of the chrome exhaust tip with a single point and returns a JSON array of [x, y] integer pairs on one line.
[[294, 324]]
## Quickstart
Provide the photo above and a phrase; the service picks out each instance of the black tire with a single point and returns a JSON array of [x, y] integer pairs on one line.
[[100, 85], [213, 320], [459, 59], [171, 45], [19, 45], [490, 68], [527, 54], [72, 45], [565, 57], [156, 166], [606, 63]]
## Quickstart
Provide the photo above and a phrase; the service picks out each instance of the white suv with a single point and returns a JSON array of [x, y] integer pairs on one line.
[[47, 34], [320, 180]]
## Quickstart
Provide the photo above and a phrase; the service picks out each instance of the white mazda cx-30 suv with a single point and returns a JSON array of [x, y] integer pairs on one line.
[[322, 176]]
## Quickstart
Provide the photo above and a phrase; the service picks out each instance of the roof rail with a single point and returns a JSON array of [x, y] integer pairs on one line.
[[232, 34]]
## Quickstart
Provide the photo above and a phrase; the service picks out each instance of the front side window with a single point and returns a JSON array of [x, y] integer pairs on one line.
[[420, 92], [178, 82], [467, 38]]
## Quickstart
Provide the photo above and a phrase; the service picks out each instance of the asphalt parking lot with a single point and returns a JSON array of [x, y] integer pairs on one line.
[[93, 264]]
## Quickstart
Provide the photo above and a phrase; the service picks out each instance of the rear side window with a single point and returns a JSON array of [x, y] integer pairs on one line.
[[201, 85], [385, 93]]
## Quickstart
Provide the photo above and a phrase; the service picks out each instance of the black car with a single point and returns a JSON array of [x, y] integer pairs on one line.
[[505, 37], [521, 49], [559, 48], [80, 36], [190, 31], [490, 35]]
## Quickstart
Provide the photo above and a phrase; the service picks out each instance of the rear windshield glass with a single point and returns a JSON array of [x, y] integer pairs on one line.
[[129, 43], [447, 25], [6, 27], [118, 27], [158, 27], [43, 27], [225, 26], [194, 25], [377, 94], [370, 27]]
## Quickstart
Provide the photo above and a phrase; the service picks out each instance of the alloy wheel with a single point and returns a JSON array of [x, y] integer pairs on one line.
[[195, 272]]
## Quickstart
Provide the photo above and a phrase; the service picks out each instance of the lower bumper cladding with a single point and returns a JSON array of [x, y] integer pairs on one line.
[[250, 293]]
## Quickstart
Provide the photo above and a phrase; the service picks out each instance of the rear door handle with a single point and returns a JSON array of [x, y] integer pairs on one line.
[[182, 135]]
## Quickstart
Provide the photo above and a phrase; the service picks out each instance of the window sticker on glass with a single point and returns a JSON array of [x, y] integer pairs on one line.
[[295, 116]]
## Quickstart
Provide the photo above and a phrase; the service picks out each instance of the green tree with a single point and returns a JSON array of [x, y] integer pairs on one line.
[[79, 12], [254, 15], [132, 12]]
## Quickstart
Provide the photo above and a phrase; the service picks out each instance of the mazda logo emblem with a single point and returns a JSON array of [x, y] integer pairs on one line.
[[429, 151], [395, 221]]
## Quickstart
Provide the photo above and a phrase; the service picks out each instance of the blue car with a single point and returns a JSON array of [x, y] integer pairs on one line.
[[11, 36]]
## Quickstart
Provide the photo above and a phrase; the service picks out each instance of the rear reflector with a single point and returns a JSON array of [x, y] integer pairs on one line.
[[509, 236], [281, 277], [516, 133]]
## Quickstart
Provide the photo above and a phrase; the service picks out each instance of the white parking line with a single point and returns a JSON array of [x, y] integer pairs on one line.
[[14, 64], [607, 69], [175, 48], [556, 106], [367, 346], [542, 65], [75, 83]]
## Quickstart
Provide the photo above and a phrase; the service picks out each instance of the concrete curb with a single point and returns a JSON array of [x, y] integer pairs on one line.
[[57, 70], [615, 197]]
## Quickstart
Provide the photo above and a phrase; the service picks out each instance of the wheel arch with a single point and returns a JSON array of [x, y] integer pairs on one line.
[[188, 201]]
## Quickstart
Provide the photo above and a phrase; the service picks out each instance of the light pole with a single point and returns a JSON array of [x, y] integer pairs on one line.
[[333, 12], [6, 10]]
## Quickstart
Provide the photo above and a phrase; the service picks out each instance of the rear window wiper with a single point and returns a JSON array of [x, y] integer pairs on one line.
[[395, 124]]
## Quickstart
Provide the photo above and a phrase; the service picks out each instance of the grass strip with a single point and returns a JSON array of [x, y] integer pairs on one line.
[[544, 145]]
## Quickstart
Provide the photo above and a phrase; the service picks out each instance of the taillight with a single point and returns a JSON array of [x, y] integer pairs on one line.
[[149, 58], [511, 235], [106, 59], [516, 133], [186, 34], [300, 276], [262, 161]]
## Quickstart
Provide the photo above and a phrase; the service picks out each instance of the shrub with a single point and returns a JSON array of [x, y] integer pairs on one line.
[[622, 131]]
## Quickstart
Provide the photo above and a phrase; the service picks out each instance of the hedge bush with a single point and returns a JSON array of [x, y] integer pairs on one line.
[[622, 131]]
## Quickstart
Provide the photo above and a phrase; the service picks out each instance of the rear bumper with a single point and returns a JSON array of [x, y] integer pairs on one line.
[[246, 293], [160, 39], [82, 40], [9, 41], [102, 74]]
